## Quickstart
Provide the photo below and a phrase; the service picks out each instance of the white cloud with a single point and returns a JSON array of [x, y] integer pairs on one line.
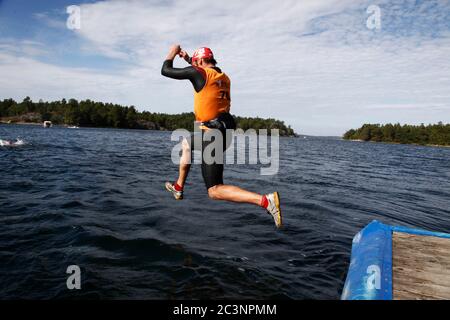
[[313, 64], [49, 20], [23, 47]]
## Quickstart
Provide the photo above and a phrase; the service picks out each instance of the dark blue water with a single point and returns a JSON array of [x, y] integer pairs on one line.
[[95, 198]]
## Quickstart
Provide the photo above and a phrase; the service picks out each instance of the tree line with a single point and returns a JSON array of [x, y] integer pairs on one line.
[[433, 134], [88, 113]]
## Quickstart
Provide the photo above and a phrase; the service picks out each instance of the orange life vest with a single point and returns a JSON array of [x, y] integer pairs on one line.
[[214, 98]]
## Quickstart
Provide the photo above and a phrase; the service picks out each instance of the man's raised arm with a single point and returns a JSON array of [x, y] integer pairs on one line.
[[190, 73]]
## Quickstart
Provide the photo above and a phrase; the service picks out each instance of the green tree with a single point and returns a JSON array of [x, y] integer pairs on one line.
[[438, 134], [98, 114]]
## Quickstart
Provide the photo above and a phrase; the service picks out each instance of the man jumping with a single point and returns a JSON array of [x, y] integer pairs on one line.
[[211, 107]]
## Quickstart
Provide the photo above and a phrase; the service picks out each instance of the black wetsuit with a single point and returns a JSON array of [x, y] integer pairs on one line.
[[192, 74], [212, 173]]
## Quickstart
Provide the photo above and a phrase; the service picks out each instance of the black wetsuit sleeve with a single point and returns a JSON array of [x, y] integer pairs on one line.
[[189, 73]]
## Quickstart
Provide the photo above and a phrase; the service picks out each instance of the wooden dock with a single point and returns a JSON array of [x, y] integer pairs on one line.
[[420, 267]]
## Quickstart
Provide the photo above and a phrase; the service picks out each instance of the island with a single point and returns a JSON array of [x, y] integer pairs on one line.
[[88, 113], [432, 134]]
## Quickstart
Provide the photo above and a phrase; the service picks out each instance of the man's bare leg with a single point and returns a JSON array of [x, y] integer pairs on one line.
[[234, 194], [271, 202], [184, 171], [185, 164]]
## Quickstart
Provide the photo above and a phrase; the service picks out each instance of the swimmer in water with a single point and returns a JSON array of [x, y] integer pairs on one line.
[[7, 143]]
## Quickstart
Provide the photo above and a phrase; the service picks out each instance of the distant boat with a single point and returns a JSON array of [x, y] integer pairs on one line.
[[48, 124], [73, 127]]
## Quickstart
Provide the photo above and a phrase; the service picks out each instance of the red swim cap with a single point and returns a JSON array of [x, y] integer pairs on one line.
[[203, 53]]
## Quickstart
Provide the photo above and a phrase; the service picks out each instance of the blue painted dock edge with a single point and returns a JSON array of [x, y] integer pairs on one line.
[[369, 275]]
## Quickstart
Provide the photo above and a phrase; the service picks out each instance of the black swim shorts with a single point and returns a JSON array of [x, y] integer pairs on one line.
[[213, 172]]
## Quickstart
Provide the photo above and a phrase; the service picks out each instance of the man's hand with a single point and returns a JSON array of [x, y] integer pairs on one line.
[[183, 54], [173, 52]]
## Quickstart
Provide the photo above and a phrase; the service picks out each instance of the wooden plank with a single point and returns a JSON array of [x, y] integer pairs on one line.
[[420, 267]]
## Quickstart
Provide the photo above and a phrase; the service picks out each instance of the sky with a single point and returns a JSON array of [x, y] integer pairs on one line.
[[318, 65]]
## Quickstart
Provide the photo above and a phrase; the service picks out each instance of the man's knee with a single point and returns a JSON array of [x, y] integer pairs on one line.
[[213, 193]]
